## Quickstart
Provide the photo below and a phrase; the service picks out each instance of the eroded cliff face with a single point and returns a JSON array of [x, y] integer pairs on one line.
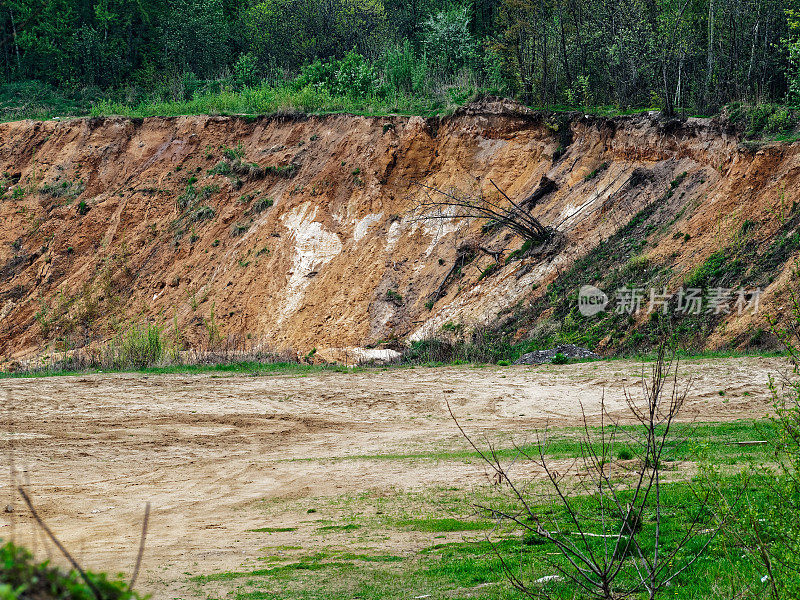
[[106, 221]]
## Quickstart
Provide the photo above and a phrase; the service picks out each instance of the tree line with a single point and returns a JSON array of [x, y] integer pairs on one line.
[[679, 55]]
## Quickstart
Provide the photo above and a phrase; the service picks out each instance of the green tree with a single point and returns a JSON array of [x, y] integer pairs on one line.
[[295, 32], [43, 37], [195, 37], [792, 41], [448, 42]]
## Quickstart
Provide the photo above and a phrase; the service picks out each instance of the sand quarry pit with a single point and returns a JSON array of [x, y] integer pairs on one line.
[[220, 455]]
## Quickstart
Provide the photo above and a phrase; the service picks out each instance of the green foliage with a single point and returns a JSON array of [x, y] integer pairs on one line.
[[203, 213], [22, 578], [351, 76], [186, 199], [208, 190], [245, 70], [261, 205], [296, 33], [138, 347], [792, 43], [223, 167], [243, 56], [234, 154], [195, 37], [760, 119], [490, 270], [596, 172], [66, 189], [448, 42], [405, 70], [394, 297], [31, 99]]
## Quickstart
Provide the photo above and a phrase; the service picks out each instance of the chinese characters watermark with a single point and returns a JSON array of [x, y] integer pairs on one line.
[[684, 301]]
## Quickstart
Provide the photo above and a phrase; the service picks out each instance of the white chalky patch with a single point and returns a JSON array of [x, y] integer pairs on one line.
[[313, 248], [363, 225], [394, 235]]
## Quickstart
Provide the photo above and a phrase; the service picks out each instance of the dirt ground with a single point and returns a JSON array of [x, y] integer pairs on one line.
[[218, 455]]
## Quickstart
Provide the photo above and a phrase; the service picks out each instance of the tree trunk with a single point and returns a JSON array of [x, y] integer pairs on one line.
[[14, 32], [710, 52]]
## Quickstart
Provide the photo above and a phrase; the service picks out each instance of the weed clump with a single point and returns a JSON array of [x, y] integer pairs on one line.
[[139, 347]]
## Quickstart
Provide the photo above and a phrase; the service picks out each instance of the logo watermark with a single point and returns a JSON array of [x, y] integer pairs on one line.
[[685, 301], [591, 300]]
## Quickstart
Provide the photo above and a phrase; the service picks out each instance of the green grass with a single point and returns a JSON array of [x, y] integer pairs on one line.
[[716, 442], [470, 566], [434, 525], [272, 529], [266, 99], [347, 527], [41, 101], [442, 537], [244, 368], [37, 100]]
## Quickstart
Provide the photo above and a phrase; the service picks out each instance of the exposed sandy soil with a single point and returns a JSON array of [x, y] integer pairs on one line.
[[315, 269], [217, 455]]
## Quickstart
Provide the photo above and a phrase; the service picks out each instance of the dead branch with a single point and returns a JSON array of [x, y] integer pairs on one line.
[[439, 204]]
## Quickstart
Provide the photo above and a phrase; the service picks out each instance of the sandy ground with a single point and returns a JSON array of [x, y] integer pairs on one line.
[[209, 450]]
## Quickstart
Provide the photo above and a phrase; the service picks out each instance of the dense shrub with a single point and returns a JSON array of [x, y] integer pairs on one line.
[[351, 76]]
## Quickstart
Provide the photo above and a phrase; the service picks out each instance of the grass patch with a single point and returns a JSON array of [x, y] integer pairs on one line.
[[244, 368], [717, 442], [471, 568], [272, 529], [432, 525], [348, 527]]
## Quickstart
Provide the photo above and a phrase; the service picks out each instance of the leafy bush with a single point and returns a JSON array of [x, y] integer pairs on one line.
[[223, 167], [245, 70], [762, 118], [351, 76], [234, 154], [21, 578], [394, 297], [779, 121]]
